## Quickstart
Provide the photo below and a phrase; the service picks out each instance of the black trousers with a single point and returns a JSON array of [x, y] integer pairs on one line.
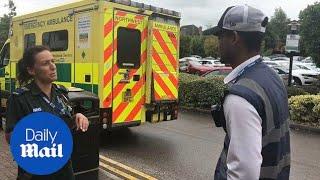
[[65, 173]]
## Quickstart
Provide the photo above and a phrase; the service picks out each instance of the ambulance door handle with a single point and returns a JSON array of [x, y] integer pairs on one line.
[[136, 77]]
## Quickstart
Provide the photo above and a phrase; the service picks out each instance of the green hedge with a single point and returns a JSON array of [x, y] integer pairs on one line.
[[303, 90], [295, 91], [199, 92], [305, 109]]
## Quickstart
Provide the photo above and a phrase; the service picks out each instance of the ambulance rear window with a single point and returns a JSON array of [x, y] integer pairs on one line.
[[129, 48], [56, 40]]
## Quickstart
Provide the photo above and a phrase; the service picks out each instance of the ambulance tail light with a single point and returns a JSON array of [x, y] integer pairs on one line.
[[106, 117]]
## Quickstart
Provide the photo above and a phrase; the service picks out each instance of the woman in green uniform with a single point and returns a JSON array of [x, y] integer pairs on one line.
[[37, 92]]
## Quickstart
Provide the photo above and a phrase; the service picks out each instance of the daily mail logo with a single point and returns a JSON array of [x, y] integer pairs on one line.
[[41, 143], [32, 150]]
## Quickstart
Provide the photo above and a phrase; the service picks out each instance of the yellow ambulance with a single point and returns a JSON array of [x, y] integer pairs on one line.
[[123, 51]]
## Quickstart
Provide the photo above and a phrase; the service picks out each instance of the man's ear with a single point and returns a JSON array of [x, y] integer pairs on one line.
[[236, 38], [31, 71]]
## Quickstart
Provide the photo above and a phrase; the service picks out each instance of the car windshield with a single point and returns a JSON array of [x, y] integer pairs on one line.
[[284, 64], [311, 66], [285, 67], [303, 67], [205, 62], [281, 70]]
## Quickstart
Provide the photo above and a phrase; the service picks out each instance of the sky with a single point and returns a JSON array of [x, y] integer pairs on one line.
[[198, 12]]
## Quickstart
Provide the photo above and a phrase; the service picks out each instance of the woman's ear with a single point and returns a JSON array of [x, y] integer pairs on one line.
[[31, 71]]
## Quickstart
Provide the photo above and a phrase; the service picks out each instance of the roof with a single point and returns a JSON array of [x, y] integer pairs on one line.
[[79, 3]]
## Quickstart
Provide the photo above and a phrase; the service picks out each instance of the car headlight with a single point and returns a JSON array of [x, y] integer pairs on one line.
[[309, 75]]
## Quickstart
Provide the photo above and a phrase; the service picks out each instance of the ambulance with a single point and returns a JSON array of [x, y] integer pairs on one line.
[[125, 52]]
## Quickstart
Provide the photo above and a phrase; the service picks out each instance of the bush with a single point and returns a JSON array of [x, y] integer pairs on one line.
[[295, 91], [303, 90], [199, 92], [305, 109], [311, 89]]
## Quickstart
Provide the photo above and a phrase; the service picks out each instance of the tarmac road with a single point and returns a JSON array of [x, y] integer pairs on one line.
[[188, 148]]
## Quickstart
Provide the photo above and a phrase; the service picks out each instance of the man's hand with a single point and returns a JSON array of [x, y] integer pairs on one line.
[[82, 122]]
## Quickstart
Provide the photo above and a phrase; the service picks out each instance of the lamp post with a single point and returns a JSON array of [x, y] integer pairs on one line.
[[292, 45]]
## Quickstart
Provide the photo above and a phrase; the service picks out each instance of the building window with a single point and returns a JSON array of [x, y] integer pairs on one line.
[[29, 40], [56, 40], [129, 48]]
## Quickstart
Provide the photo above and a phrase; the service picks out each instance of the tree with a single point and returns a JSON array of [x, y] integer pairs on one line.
[[270, 39], [5, 22], [211, 46], [310, 31], [185, 46], [275, 37], [197, 46]]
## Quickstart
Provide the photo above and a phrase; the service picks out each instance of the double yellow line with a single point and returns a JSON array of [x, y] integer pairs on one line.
[[121, 170]]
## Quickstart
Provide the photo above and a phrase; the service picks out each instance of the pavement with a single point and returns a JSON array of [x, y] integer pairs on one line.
[[8, 168]]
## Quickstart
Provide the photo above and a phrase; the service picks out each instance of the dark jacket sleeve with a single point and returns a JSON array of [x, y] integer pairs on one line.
[[14, 113]]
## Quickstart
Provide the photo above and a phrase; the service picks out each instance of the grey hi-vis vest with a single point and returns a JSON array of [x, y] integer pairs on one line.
[[263, 88]]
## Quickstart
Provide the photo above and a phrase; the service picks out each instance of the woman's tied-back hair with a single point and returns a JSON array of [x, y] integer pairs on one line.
[[28, 61]]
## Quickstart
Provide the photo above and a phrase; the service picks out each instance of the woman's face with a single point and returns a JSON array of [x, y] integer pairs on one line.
[[44, 69]]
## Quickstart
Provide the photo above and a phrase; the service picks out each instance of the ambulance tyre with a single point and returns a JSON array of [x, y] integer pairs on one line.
[[104, 136]]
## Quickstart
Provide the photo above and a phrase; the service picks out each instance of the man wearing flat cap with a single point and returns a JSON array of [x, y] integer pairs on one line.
[[254, 110]]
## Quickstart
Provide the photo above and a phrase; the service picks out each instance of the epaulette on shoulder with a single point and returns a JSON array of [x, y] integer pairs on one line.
[[61, 88], [20, 91]]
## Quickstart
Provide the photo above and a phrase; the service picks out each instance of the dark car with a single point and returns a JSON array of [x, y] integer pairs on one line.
[[195, 67], [218, 71]]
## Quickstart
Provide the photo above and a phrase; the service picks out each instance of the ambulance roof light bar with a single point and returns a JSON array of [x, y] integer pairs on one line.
[[146, 7]]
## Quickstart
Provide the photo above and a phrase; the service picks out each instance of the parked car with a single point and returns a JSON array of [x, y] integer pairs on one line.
[[298, 58], [283, 73], [307, 60], [218, 71], [276, 56], [277, 63], [281, 59], [183, 63], [195, 67], [183, 66], [265, 58], [196, 56], [301, 76], [309, 66], [211, 62], [304, 77]]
